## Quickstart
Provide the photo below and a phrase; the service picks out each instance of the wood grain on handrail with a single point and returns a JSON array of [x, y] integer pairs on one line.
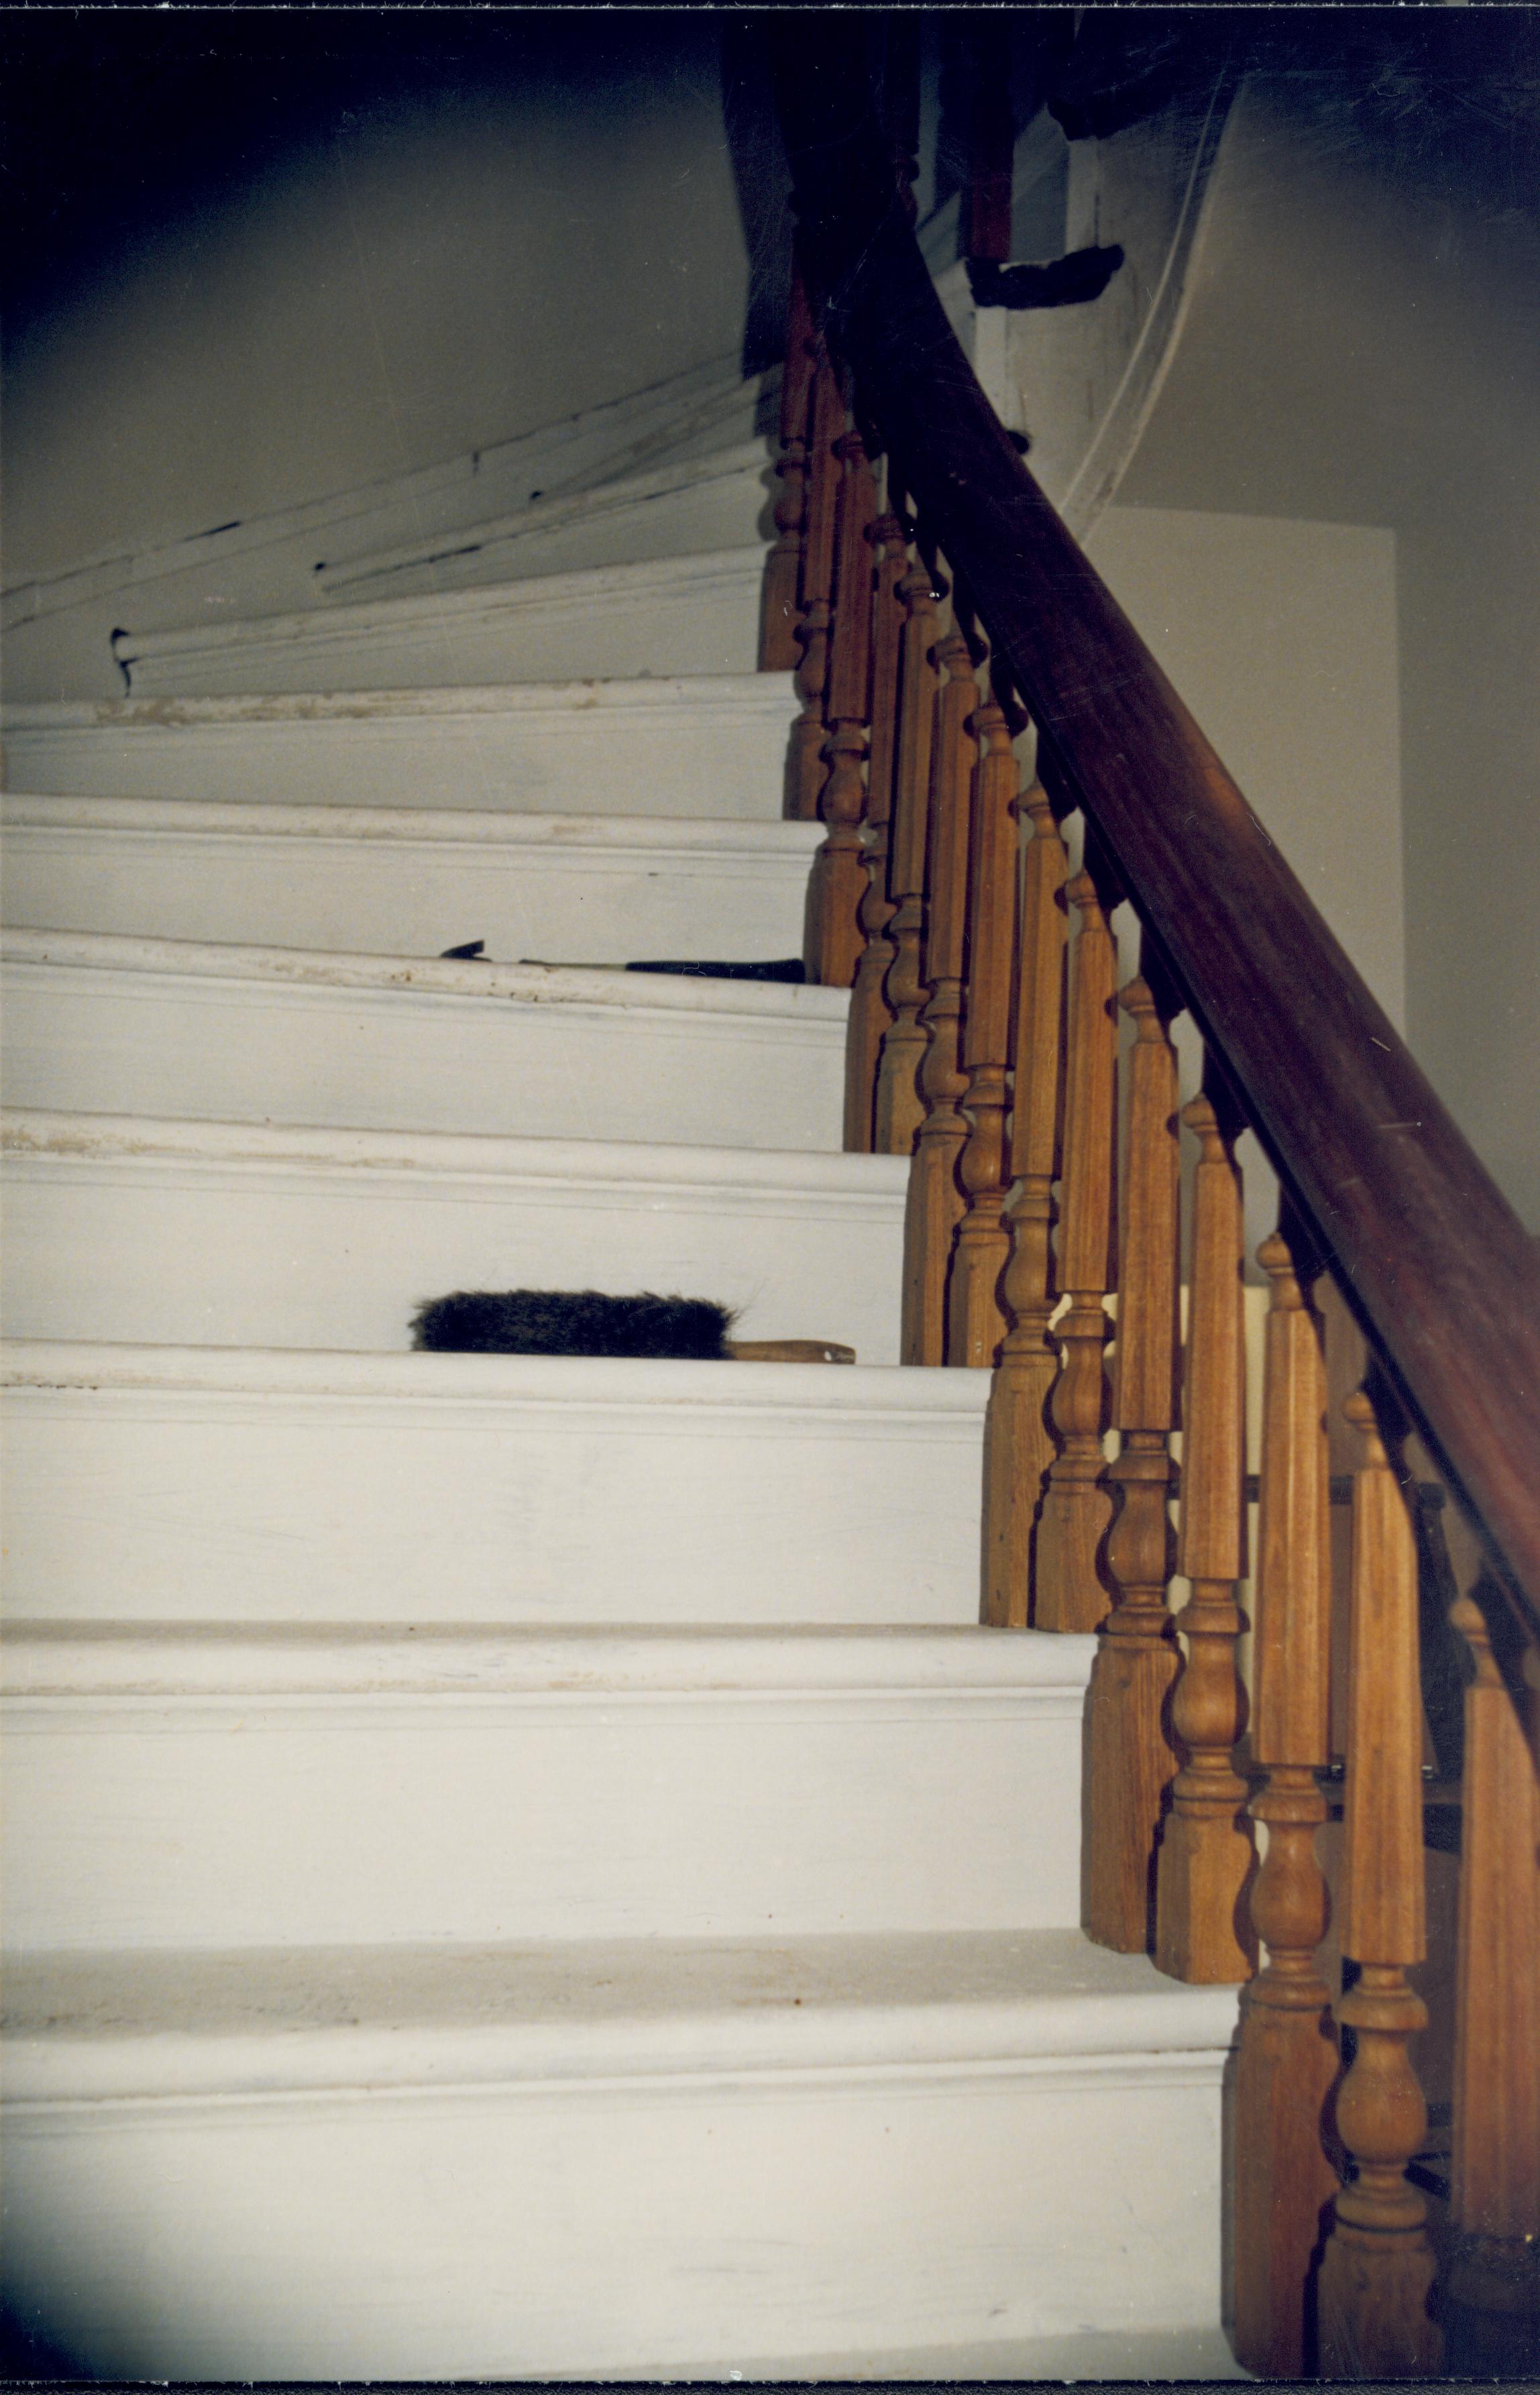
[[1444, 1272]]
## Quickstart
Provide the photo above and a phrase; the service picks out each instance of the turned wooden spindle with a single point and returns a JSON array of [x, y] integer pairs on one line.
[[1377, 2267], [900, 1108], [805, 757], [1018, 1447], [1202, 1931], [833, 945], [976, 1315], [1493, 2283], [1070, 1591], [934, 1207], [1286, 2062], [782, 593], [869, 1013], [1128, 1758]]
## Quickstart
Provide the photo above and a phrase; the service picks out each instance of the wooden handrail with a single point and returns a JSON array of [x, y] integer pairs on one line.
[[1443, 1274]]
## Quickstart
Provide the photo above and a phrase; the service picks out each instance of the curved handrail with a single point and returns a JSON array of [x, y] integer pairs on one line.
[[1446, 1276]]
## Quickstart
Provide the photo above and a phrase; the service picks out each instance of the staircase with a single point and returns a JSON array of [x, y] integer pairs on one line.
[[517, 1867]]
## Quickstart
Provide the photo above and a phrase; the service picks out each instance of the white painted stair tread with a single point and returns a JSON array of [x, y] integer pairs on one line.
[[98, 2024], [666, 616], [582, 2157], [265, 1786], [305, 1238], [1193, 2355], [96, 1023], [690, 505], [247, 1484], [701, 744], [397, 881]]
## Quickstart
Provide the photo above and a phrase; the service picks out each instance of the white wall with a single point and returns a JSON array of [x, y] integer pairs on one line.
[[1282, 637], [1362, 347], [428, 278]]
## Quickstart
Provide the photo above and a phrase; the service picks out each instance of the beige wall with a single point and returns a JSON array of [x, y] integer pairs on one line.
[[1282, 637], [1362, 347], [427, 281]]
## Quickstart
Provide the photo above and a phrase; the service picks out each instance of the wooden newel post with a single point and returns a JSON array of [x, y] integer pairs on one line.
[[1492, 2285], [1018, 1447], [1201, 1931], [934, 1203], [869, 1011], [1070, 1590], [900, 1110], [1129, 1759], [1378, 2268], [804, 766], [782, 595], [1286, 2062], [976, 1320], [832, 949]]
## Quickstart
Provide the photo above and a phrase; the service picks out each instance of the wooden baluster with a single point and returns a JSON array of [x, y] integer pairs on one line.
[[1377, 2267], [976, 1317], [934, 1203], [1202, 1930], [833, 945], [1017, 1446], [1070, 1591], [900, 1108], [1129, 1759], [1492, 2288], [869, 1011], [804, 767], [782, 593], [1286, 2060]]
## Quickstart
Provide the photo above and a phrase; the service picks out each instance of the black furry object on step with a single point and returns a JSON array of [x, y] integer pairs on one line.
[[572, 1322]]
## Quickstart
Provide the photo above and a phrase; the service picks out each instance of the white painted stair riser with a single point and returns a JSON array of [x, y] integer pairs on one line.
[[59, 631], [234, 1484], [306, 1238], [96, 1025], [390, 881], [839, 2144], [669, 616], [692, 505], [707, 745], [313, 1788]]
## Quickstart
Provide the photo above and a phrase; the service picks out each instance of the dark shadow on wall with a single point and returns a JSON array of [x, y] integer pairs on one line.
[[118, 128], [762, 181], [29, 2353]]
